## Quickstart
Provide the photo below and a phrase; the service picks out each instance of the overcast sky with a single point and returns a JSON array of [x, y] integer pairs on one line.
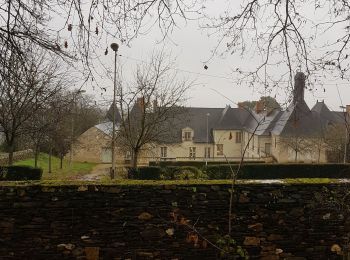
[[191, 47]]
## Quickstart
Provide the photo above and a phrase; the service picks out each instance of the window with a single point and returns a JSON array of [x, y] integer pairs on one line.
[[220, 149], [188, 136], [267, 148], [207, 152], [192, 152], [127, 155], [163, 152], [238, 137]]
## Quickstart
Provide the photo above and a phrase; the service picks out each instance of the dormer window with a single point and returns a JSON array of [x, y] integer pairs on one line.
[[187, 134]]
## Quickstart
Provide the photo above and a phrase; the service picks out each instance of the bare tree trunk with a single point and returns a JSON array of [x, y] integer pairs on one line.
[[61, 161], [50, 157], [135, 158], [296, 156], [11, 151], [36, 155]]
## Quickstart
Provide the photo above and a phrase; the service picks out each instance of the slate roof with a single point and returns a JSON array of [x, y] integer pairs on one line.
[[196, 119], [262, 123], [106, 127], [227, 118], [232, 118], [327, 115], [109, 114], [297, 119]]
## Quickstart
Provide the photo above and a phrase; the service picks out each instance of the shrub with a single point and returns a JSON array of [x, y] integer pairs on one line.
[[218, 172], [280, 171], [145, 173], [182, 173], [189, 173], [20, 173], [170, 172]]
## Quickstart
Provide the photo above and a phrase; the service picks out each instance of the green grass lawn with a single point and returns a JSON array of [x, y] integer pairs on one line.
[[67, 172]]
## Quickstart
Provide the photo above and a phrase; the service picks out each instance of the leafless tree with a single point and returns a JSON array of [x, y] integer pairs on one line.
[[86, 112], [335, 142], [51, 128], [298, 144], [26, 86], [76, 30], [284, 37], [318, 145], [46, 125], [150, 106]]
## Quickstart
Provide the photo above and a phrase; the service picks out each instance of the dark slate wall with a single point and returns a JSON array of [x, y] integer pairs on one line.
[[153, 222]]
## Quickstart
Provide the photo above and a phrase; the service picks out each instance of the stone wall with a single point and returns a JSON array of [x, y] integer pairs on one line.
[[153, 222], [17, 156]]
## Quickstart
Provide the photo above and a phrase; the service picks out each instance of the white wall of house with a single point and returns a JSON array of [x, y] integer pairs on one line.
[[259, 146], [231, 143], [231, 148], [284, 154], [93, 146], [187, 150]]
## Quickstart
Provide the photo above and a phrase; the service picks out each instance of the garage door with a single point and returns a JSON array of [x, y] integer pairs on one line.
[[106, 155]]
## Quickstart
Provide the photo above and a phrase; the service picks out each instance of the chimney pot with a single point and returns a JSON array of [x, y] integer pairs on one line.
[[259, 106]]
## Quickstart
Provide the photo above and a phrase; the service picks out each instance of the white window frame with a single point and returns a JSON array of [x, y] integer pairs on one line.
[[163, 152], [238, 137], [187, 135], [192, 152], [207, 152], [220, 152]]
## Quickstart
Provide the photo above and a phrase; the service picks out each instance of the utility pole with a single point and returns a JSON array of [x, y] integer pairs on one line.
[[346, 132], [115, 48], [207, 148]]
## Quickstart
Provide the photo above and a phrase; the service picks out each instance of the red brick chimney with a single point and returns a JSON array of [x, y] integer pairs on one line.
[[240, 105], [141, 103], [259, 106]]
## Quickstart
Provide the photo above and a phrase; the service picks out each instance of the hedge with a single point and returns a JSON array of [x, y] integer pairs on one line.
[[20, 173], [145, 173], [198, 164], [166, 173], [279, 171], [248, 171]]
